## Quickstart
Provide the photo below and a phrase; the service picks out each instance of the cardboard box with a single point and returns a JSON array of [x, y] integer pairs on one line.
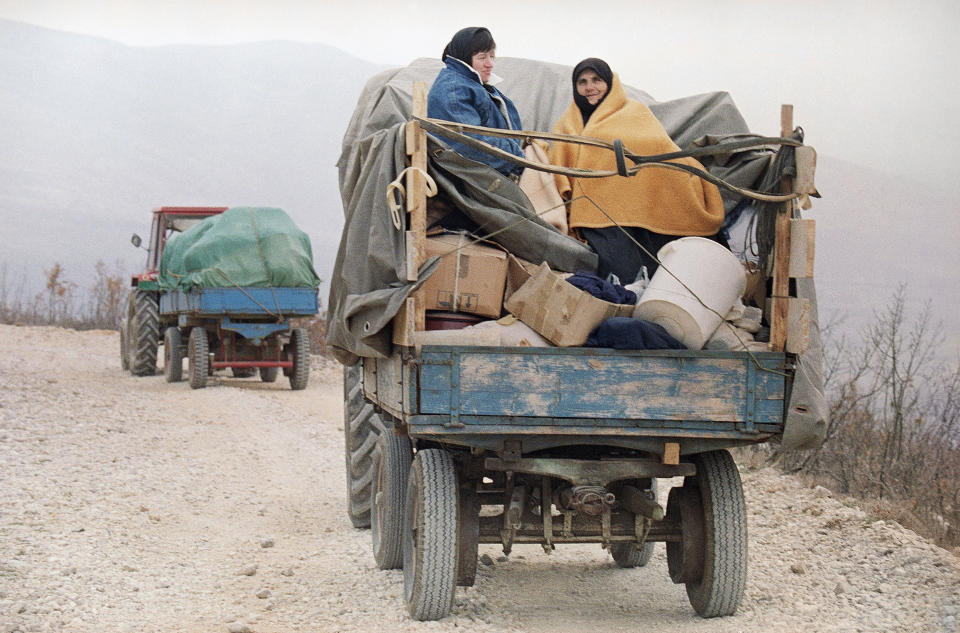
[[518, 272], [559, 311], [471, 277]]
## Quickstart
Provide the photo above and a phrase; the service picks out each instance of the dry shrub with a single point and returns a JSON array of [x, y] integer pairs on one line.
[[317, 329], [104, 304], [893, 434], [61, 303]]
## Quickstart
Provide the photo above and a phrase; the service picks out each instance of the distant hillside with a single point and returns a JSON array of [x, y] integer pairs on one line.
[[96, 133]]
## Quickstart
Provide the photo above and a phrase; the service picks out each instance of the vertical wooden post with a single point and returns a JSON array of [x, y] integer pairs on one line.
[[781, 253], [416, 141]]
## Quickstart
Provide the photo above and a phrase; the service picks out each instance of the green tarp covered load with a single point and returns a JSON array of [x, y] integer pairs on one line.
[[254, 247]]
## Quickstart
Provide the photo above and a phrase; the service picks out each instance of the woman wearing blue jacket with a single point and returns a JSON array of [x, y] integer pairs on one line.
[[463, 92]]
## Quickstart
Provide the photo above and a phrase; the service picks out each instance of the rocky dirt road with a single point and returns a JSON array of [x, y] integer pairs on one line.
[[131, 504]]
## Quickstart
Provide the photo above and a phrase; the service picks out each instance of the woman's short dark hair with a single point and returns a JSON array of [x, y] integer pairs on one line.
[[468, 42], [481, 41]]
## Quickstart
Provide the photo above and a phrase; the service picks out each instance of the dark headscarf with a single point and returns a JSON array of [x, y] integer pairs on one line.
[[603, 70], [468, 42]]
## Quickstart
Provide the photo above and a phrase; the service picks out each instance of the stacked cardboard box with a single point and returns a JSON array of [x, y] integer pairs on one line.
[[560, 312], [483, 280]]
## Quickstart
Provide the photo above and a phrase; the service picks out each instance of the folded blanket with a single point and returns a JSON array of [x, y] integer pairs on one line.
[[602, 289], [656, 198], [629, 333]]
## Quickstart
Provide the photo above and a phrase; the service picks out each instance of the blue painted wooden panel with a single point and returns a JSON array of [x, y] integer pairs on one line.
[[493, 425], [600, 384], [241, 301]]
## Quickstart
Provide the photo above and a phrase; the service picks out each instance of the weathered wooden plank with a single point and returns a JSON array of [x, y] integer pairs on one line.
[[594, 386], [769, 411], [798, 325], [416, 142], [802, 240], [390, 384], [781, 252], [671, 453], [404, 323], [475, 425], [370, 379], [769, 385], [412, 255]]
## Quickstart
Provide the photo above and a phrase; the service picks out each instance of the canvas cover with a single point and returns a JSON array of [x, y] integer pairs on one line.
[[242, 247], [369, 278]]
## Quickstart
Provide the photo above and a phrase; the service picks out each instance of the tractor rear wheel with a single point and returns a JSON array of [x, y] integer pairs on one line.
[[361, 428], [143, 336], [269, 374]]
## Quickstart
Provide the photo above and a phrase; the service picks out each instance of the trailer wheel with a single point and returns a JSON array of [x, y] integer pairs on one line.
[[243, 372], [626, 555], [389, 487], [430, 536], [714, 498], [143, 321], [199, 358], [361, 427], [124, 352], [300, 347], [172, 355], [269, 374]]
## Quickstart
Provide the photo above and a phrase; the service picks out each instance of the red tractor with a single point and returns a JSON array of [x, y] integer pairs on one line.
[[140, 328]]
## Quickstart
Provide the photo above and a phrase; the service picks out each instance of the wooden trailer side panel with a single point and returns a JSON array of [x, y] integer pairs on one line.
[[601, 385]]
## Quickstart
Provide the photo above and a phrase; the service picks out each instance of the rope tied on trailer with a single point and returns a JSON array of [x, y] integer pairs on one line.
[[266, 268], [782, 163], [455, 131], [250, 297], [621, 160], [397, 194]]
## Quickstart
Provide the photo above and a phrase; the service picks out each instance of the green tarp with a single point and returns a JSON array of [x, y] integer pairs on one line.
[[242, 247]]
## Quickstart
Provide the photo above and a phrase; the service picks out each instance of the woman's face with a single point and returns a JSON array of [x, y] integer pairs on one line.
[[591, 86], [482, 62]]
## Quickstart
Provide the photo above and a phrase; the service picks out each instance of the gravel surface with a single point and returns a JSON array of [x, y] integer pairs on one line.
[[131, 504]]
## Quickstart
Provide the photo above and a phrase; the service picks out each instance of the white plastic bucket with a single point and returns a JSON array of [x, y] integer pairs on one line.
[[712, 272]]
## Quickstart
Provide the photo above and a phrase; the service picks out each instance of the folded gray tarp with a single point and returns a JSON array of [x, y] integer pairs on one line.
[[369, 283]]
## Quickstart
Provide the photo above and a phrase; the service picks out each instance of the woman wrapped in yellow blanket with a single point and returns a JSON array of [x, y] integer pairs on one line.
[[655, 206]]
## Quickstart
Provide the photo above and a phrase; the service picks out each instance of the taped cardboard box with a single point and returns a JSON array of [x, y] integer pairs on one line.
[[559, 311], [471, 277], [518, 272]]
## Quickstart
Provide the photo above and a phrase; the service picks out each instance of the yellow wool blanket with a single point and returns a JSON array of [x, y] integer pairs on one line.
[[658, 199]]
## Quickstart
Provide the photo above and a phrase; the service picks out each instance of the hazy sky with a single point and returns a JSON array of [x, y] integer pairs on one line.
[[872, 82]]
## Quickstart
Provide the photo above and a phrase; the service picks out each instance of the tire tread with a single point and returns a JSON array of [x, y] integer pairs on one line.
[[361, 427], [720, 590]]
